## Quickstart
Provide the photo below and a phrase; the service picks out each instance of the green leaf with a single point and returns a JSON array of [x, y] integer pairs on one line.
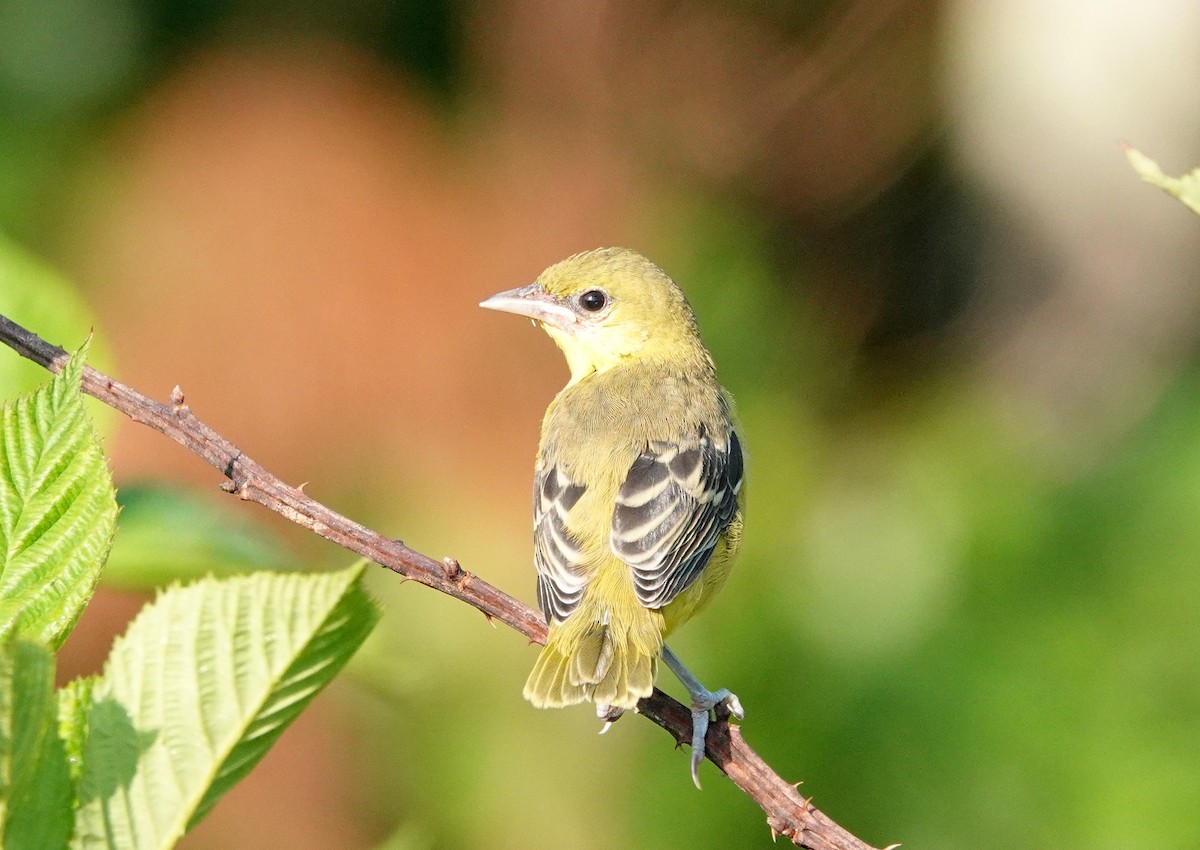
[[205, 680], [57, 509], [35, 296], [35, 785], [173, 534], [1185, 188]]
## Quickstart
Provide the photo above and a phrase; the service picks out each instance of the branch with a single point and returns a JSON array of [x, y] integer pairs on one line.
[[788, 813]]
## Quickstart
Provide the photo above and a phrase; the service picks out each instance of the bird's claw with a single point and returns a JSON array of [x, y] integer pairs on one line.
[[725, 704], [610, 714], [699, 732], [729, 706]]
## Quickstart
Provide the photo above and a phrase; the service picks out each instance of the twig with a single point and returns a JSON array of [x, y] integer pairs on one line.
[[788, 813]]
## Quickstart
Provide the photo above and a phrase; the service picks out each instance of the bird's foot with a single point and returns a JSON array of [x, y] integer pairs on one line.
[[610, 714], [704, 703]]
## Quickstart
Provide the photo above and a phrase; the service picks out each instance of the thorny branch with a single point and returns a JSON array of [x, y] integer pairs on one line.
[[788, 812]]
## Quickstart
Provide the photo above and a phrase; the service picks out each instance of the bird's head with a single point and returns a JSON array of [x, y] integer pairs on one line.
[[605, 307]]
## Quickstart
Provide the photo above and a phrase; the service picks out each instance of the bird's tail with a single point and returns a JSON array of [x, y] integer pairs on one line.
[[593, 659]]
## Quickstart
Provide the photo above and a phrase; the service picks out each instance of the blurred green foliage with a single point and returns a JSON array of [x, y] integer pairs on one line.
[[174, 534], [951, 633], [66, 69]]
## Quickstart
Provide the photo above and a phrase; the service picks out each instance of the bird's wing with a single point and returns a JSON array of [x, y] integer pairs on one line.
[[677, 500], [560, 580]]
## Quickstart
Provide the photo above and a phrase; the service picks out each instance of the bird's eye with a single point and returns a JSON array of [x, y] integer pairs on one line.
[[593, 300]]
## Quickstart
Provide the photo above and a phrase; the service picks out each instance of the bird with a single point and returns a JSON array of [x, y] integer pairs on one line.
[[638, 496]]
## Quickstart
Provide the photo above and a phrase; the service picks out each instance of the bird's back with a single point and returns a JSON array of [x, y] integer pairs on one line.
[[598, 428]]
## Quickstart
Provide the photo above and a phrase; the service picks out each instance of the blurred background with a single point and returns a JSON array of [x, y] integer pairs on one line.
[[964, 339]]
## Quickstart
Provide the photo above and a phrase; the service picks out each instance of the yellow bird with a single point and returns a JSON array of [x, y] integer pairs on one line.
[[637, 494]]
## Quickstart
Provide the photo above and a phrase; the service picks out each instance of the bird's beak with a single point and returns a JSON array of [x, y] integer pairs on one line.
[[534, 302]]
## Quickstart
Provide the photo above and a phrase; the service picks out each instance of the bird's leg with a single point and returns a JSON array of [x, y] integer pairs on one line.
[[703, 702], [610, 714]]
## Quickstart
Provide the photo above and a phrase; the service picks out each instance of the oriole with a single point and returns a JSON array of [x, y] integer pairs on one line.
[[637, 494]]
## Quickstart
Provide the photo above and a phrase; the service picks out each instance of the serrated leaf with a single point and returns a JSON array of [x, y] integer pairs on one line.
[[57, 509], [35, 786], [1185, 188], [205, 680]]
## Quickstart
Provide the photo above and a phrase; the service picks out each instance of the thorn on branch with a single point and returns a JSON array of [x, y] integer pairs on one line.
[[177, 400], [242, 491]]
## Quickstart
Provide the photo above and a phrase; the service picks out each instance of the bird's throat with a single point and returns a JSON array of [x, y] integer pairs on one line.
[[585, 354]]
